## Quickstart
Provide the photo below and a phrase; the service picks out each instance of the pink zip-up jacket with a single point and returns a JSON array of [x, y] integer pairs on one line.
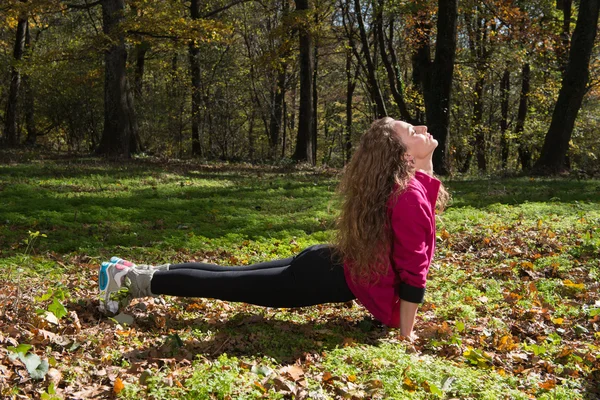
[[412, 218]]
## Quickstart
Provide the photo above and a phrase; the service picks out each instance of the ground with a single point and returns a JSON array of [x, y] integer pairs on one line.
[[512, 308]]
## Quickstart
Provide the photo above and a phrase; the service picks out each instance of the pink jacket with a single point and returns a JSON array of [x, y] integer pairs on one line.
[[412, 217]]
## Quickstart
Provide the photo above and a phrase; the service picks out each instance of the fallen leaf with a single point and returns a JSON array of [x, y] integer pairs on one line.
[[548, 385], [409, 384], [118, 386], [54, 376], [571, 284], [124, 319], [294, 371]]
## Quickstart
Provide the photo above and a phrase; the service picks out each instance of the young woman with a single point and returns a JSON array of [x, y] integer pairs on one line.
[[384, 246]]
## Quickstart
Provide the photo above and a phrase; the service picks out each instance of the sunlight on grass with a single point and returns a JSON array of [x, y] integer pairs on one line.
[[509, 310]]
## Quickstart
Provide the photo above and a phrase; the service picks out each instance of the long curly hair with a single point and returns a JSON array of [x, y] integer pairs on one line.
[[364, 235]]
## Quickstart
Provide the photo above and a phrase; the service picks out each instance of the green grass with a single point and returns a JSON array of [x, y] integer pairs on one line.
[[510, 309]]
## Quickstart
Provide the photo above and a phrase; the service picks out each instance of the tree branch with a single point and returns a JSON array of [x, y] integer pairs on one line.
[[153, 35], [85, 6], [218, 10]]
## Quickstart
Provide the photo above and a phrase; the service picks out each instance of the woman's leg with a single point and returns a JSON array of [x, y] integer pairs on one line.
[[219, 268], [310, 278]]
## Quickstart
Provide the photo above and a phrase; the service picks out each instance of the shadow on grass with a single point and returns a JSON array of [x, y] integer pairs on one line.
[[481, 193], [251, 335]]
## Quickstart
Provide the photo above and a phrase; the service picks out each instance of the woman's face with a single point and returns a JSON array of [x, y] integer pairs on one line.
[[419, 143]]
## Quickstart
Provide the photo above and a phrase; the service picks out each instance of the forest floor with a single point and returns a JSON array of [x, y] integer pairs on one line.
[[512, 308]]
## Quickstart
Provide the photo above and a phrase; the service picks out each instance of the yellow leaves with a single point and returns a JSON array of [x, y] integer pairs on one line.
[[409, 384], [260, 387], [477, 357], [527, 265], [444, 234], [118, 386], [512, 297], [557, 321], [506, 343], [11, 22], [571, 284]]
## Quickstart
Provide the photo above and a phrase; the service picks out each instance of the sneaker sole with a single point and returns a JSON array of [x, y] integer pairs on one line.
[[104, 283]]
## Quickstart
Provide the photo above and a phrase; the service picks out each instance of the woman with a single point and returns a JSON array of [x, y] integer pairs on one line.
[[385, 243]]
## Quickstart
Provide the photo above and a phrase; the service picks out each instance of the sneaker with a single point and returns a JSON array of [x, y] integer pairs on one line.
[[163, 267], [113, 293]]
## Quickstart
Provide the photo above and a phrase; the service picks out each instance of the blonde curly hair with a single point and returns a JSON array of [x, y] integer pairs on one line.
[[364, 235]]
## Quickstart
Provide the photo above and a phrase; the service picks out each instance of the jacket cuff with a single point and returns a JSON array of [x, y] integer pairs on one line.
[[411, 293]]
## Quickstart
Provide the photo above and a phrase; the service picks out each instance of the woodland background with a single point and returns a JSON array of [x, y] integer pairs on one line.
[[283, 81]]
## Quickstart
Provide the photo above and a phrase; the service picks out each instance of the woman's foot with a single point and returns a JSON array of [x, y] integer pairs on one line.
[[119, 283], [112, 291]]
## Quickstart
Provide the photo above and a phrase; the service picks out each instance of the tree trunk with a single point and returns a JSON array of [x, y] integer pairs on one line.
[[504, 94], [251, 134], [556, 144], [315, 103], [350, 85], [119, 119], [284, 134], [436, 80], [304, 144], [376, 95], [478, 121], [140, 61], [29, 100], [194, 53], [277, 113], [524, 150], [10, 126], [565, 35], [394, 79]]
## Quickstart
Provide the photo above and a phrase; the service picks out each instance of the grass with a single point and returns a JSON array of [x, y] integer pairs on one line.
[[511, 308]]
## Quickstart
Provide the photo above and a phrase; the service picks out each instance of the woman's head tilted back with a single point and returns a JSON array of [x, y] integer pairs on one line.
[[383, 160]]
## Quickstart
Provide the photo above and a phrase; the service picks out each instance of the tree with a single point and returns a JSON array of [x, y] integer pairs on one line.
[[436, 78], [119, 114], [304, 145], [10, 126], [556, 143]]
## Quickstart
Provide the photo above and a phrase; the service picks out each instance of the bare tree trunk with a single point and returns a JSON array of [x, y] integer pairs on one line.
[[251, 135], [119, 118], [436, 80], [562, 49], [304, 144], [315, 101], [29, 100], [478, 121], [10, 126], [570, 97], [524, 149], [284, 134], [504, 94], [394, 78], [277, 113], [140, 62], [194, 53], [376, 95], [350, 85]]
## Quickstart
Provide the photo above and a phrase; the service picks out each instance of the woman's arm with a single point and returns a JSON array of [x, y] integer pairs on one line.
[[408, 312]]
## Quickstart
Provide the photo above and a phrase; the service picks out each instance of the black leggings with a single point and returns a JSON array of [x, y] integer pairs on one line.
[[309, 278]]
